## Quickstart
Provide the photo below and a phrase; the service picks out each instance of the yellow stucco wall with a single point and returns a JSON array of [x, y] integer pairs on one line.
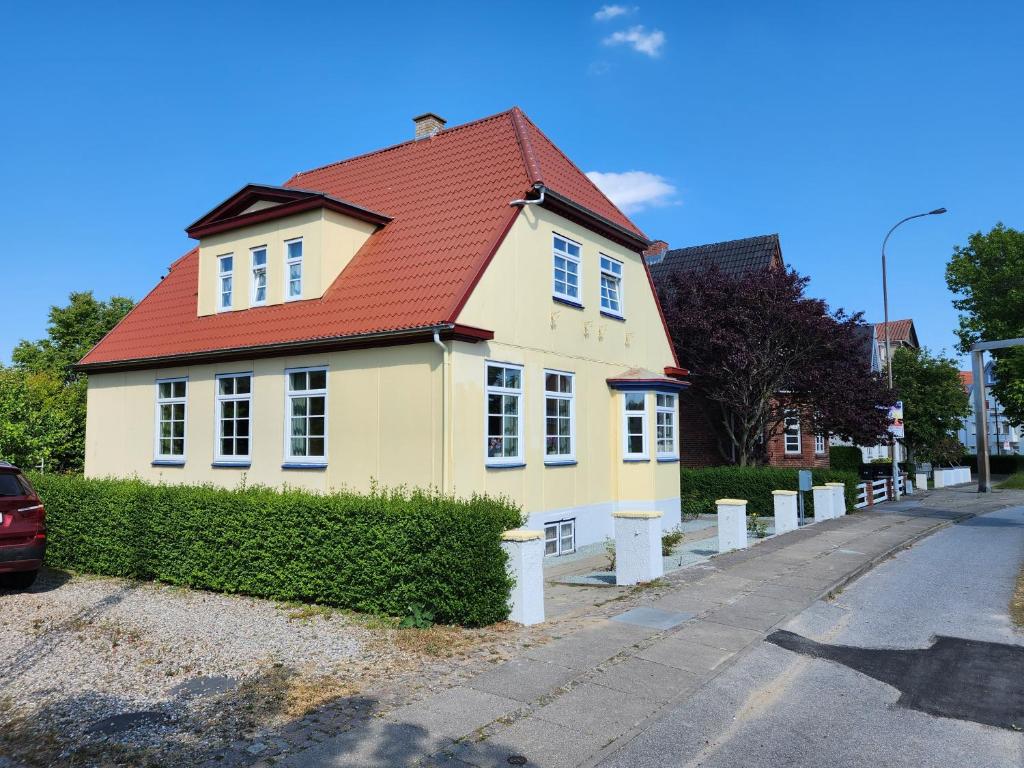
[[383, 421], [329, 241]]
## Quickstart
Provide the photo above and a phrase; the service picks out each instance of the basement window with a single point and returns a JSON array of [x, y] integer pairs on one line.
[[560, 537]]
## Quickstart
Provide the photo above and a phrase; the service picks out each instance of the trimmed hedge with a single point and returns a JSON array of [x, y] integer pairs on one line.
[[845, 458], [701, 487], [380, 553], [998, 464]]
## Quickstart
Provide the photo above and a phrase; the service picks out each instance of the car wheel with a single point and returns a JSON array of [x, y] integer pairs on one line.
[[19, 580]]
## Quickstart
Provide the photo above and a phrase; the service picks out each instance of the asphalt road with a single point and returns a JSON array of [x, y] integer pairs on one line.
[[915, 664]]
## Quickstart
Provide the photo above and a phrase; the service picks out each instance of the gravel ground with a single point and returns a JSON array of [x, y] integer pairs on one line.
[[101, 671]]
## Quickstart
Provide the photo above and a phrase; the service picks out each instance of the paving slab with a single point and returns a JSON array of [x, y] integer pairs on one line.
[[522, 679], [544, 745], [455, 712], [647, 679], [655, 618], [685, 654], [597, 710], [717, 635], [377, 744], [590, 647], [747, 617]]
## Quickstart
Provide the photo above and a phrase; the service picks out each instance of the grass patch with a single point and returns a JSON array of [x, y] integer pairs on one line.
[[1013, 482], [1017, 601]]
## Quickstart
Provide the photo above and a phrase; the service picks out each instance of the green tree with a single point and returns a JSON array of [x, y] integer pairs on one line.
[[42, 397], [934, 402], [987, 275]]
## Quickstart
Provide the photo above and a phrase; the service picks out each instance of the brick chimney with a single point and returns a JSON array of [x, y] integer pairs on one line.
[[428, 124], [656, 251]]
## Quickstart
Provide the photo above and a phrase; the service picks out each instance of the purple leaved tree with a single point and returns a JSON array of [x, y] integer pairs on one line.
[[757, 347]]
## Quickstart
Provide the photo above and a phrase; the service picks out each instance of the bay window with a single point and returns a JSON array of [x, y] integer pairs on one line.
[[634, 426], [665, 426]]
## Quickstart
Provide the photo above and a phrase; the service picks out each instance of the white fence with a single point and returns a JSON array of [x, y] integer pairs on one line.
[[872, 492]]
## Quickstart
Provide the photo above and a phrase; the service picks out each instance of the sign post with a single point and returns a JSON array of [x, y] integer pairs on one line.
[[896, 432], [804, 483]]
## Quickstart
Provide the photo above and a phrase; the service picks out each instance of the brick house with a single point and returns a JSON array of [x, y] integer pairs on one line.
[[798, 445]]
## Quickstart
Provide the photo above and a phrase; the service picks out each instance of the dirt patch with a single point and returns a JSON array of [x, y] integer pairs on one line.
[[1017, 601]]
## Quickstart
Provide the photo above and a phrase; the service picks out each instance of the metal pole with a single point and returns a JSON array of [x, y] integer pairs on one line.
[[888, 349], [981, 421]]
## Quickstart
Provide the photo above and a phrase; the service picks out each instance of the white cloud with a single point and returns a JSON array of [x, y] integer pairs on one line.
[[608, 12], [639, 39], [633, 191]]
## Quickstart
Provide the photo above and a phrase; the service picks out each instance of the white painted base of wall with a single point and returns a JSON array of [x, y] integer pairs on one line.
[[594, 522]]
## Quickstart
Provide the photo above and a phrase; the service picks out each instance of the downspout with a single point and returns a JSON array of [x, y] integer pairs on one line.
[[535, 201], [445, 432]]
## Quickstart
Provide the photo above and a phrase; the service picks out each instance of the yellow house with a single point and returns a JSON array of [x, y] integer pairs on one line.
[[465, 310]]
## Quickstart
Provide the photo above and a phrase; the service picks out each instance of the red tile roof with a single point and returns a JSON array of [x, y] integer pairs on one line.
[[448, 198], [899, 330], [966, 379]]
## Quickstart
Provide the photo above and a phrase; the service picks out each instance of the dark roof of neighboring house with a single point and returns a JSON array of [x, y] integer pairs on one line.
[[867, 337], [900, 332], [734, 257], [443, 207]]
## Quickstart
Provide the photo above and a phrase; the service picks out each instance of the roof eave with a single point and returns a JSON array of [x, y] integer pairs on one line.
[[447, 331], [564, 206]]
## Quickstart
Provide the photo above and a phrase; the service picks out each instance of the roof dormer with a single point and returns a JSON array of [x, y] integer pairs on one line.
[[269, 245]]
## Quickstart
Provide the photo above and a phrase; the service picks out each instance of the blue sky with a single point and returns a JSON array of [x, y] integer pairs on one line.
[[821, 121]]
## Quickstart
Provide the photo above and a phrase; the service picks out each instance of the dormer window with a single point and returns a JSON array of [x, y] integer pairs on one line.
[[259, 275], [225, 281], [293, 268]]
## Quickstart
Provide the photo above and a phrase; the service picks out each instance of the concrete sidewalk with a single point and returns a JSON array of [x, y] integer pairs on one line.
[[583, 695]]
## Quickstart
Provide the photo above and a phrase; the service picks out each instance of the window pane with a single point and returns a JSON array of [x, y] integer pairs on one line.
[[298, 428], [551, 382], [298, 446], [316, 446], [512, 378], [574, 250], [164, 390], [299, 406], [511, 447], [226, 264], [563, 408], [227, 447], [635, 425], [495, 376], [228, 409], [227, 386], [295, 249], [178, 388], [242, 428], [316, 406], [178, 411], [242, 446], [165, 446], [511, 426], [564, 447], [242, 409], [242, 385], [494, 425], [510, 405], [635, 444], [634, 401], [566, 384], [551, 407], [318, 379], [494, 403], [316, 426], [494, 446], [177, 447], [297, 380], [177, 429], [551, 546]]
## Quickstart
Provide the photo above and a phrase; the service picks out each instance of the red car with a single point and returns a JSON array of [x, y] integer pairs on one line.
[[22, 529]]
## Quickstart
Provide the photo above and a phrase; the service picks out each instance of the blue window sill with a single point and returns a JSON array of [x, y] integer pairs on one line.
[[668, 459], [168, 463], [568, 302], [231, 464], [560, 463], [637, 460], [300, 465], [506, 466], [613, 316]]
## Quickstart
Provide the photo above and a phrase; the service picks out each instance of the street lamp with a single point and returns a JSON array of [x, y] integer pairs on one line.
[[888, 350]]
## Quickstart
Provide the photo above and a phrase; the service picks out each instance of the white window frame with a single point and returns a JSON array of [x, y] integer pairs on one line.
[[672, 412], [792, 414], [819, 445], [644, 454], [220, 399], [570, 397], [503, 461], [253, 301], [557, 525], [289, 261], [289, 395], [229, 276], [172, 458], [577, 260], [617, 278]]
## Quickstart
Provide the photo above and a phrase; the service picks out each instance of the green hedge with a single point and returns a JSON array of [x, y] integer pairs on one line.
[[845, 458], [1002, 464], [379, 553], [700, 487]]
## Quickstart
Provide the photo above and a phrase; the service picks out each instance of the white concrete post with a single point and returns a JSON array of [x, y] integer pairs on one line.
[[525, 551], [822, 503], [732, 524], [909, 487], [838, 498], [637, 547], [938, 478], [786, 519], [922, 481]]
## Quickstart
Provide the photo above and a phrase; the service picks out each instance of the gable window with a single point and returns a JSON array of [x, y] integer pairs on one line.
[[504, 414], [566, 269], [611, 286], [560, 537], [293, 268], [634, 426], [259, 275], [819, 444], [234, 405], [225, 280], [306, 430], [171, 401], [665, 426], [559, 417], [791, 431]]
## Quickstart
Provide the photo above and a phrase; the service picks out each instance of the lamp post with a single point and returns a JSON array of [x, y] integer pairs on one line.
[[888, 349]]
